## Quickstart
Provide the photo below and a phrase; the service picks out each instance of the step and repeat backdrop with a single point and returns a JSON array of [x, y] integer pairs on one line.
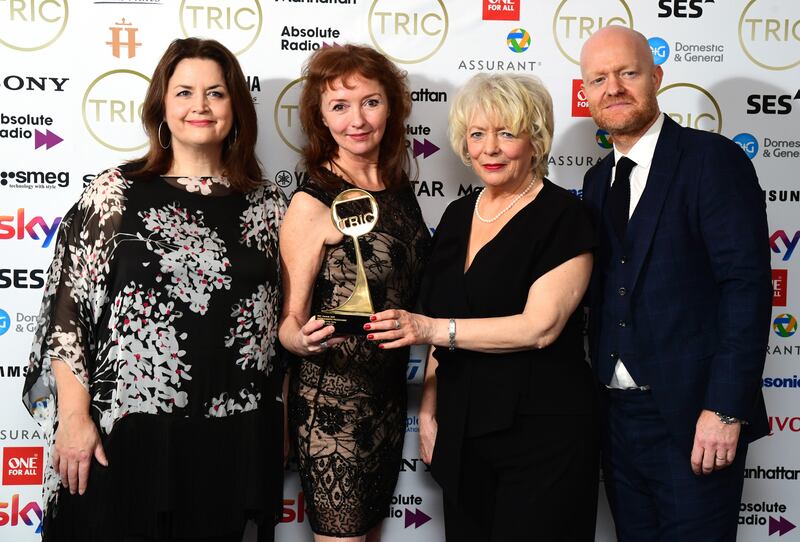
[[73, 74]]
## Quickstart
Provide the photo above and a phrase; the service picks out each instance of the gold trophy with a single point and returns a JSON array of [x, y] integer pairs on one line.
[[354, 212]]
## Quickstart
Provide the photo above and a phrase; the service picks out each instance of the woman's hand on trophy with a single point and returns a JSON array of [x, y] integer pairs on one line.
[[316, 337], [398, 328]]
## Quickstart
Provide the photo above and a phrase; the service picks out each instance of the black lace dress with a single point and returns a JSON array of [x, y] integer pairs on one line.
[[347, 406]]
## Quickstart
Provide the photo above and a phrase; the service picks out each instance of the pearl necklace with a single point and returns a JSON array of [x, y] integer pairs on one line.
[[507, 208]]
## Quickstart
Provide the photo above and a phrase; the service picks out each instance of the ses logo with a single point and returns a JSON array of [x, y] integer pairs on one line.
[[112, 109], [780, 243], [691, 106], [771, 104], [769, 33], [761, 513], [22, 278], [31, 25], [501, 10], [23, 465], [408, 32], [779, 278], [682, 9], [574, 21], [748, 143], [236, 23], [784, 325], [660, 49], [17, 227], [580, 105]]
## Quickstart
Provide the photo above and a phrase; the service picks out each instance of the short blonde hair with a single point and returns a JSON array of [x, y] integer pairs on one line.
[[520, 102]]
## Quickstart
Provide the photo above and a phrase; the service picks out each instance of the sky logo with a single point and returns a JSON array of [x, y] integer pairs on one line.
[[660, 49], [29, 514], [15, 226], [5, 322], [748, 143], [781, 238]]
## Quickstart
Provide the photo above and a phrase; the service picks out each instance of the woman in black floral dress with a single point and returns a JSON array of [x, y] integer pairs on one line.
[[154, 370], [347, 399]]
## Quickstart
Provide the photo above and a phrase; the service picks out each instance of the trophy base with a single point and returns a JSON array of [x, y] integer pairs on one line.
[[346, 323]]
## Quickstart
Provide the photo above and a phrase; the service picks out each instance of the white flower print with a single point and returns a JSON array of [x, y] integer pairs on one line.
[[224, 405], [255, 317], [202, 184], [191, 253], [104, 196], [259, 222], [143, 348]]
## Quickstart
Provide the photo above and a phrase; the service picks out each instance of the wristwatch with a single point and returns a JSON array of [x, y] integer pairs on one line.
[[727, 420]]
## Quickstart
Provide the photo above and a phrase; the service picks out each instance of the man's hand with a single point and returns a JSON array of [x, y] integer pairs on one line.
[[714, 443]]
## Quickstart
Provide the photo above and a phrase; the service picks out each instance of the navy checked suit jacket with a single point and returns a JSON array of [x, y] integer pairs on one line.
[[701, 296]]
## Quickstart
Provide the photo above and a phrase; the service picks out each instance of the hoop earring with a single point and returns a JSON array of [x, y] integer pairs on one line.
[[169, 143], [235, 135]]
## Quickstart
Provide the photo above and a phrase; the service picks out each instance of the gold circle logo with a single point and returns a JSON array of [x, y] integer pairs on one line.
[[235, 23], [771, 42], [112, 110], [32, 25], [287, 115], [410, 31], [691, 106], [573, 24]]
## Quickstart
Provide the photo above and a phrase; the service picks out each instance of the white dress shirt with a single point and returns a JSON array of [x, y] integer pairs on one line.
[[642, 153]]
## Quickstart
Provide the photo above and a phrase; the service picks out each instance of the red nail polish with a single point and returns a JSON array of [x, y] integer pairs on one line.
[[370, 337], [373, 318], [380, 346], [367, 326]]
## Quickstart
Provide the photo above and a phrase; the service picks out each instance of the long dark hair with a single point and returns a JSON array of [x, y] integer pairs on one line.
[[325, 66], [239, 161]]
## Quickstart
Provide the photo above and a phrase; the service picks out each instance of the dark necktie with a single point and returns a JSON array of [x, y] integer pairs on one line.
[[619, 197]]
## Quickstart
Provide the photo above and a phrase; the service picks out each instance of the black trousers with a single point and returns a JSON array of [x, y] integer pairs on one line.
[[536, 481]]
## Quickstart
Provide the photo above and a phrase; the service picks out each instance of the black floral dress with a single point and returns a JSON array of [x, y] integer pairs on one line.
[[162, 299], [347, 406]]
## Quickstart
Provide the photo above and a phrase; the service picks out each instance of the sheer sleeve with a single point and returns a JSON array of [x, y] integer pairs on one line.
[[75, 293]]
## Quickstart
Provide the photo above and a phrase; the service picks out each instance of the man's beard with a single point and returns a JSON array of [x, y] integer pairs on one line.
[[634, 123]]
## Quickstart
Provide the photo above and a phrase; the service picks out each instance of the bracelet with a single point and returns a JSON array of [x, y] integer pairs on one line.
[[451, 331], [727, 420]]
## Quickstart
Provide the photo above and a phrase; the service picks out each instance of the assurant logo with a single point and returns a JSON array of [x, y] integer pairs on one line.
[[784, 325], [603, 139], [518, 40], [769, 33], [236, 23], [575, 20], [691, 106], [408, 31], [112, 109], [31, 25]]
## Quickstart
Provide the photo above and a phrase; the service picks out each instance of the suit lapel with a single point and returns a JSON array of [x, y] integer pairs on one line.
[[645, 218]]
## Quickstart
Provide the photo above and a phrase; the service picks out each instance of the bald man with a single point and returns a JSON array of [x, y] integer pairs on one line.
[[680, 303]]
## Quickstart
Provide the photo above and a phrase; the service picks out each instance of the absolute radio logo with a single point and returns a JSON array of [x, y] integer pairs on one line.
[[112, 109], [580, 105], [31, 25], [408, 32], [406, 507], [22, 465], [576, 20], [779, 278], [286, 115], [691, 106], [501, 10], [769, 33], [236, 23], [19, 127], [18, 226], [768, 515]]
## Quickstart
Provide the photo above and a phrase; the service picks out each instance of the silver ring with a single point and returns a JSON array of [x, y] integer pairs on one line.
[[397, 324], [323, 344]]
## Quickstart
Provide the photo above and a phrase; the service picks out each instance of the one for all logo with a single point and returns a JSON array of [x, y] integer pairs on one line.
[[235, 23], [112, 110], [575, 20], [408, 31], [769, 33], [31, 25], [22, 465]]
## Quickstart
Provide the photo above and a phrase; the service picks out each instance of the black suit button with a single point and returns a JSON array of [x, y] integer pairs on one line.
[[622, 323], [623, 260], [622, 291], [614, 355]]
